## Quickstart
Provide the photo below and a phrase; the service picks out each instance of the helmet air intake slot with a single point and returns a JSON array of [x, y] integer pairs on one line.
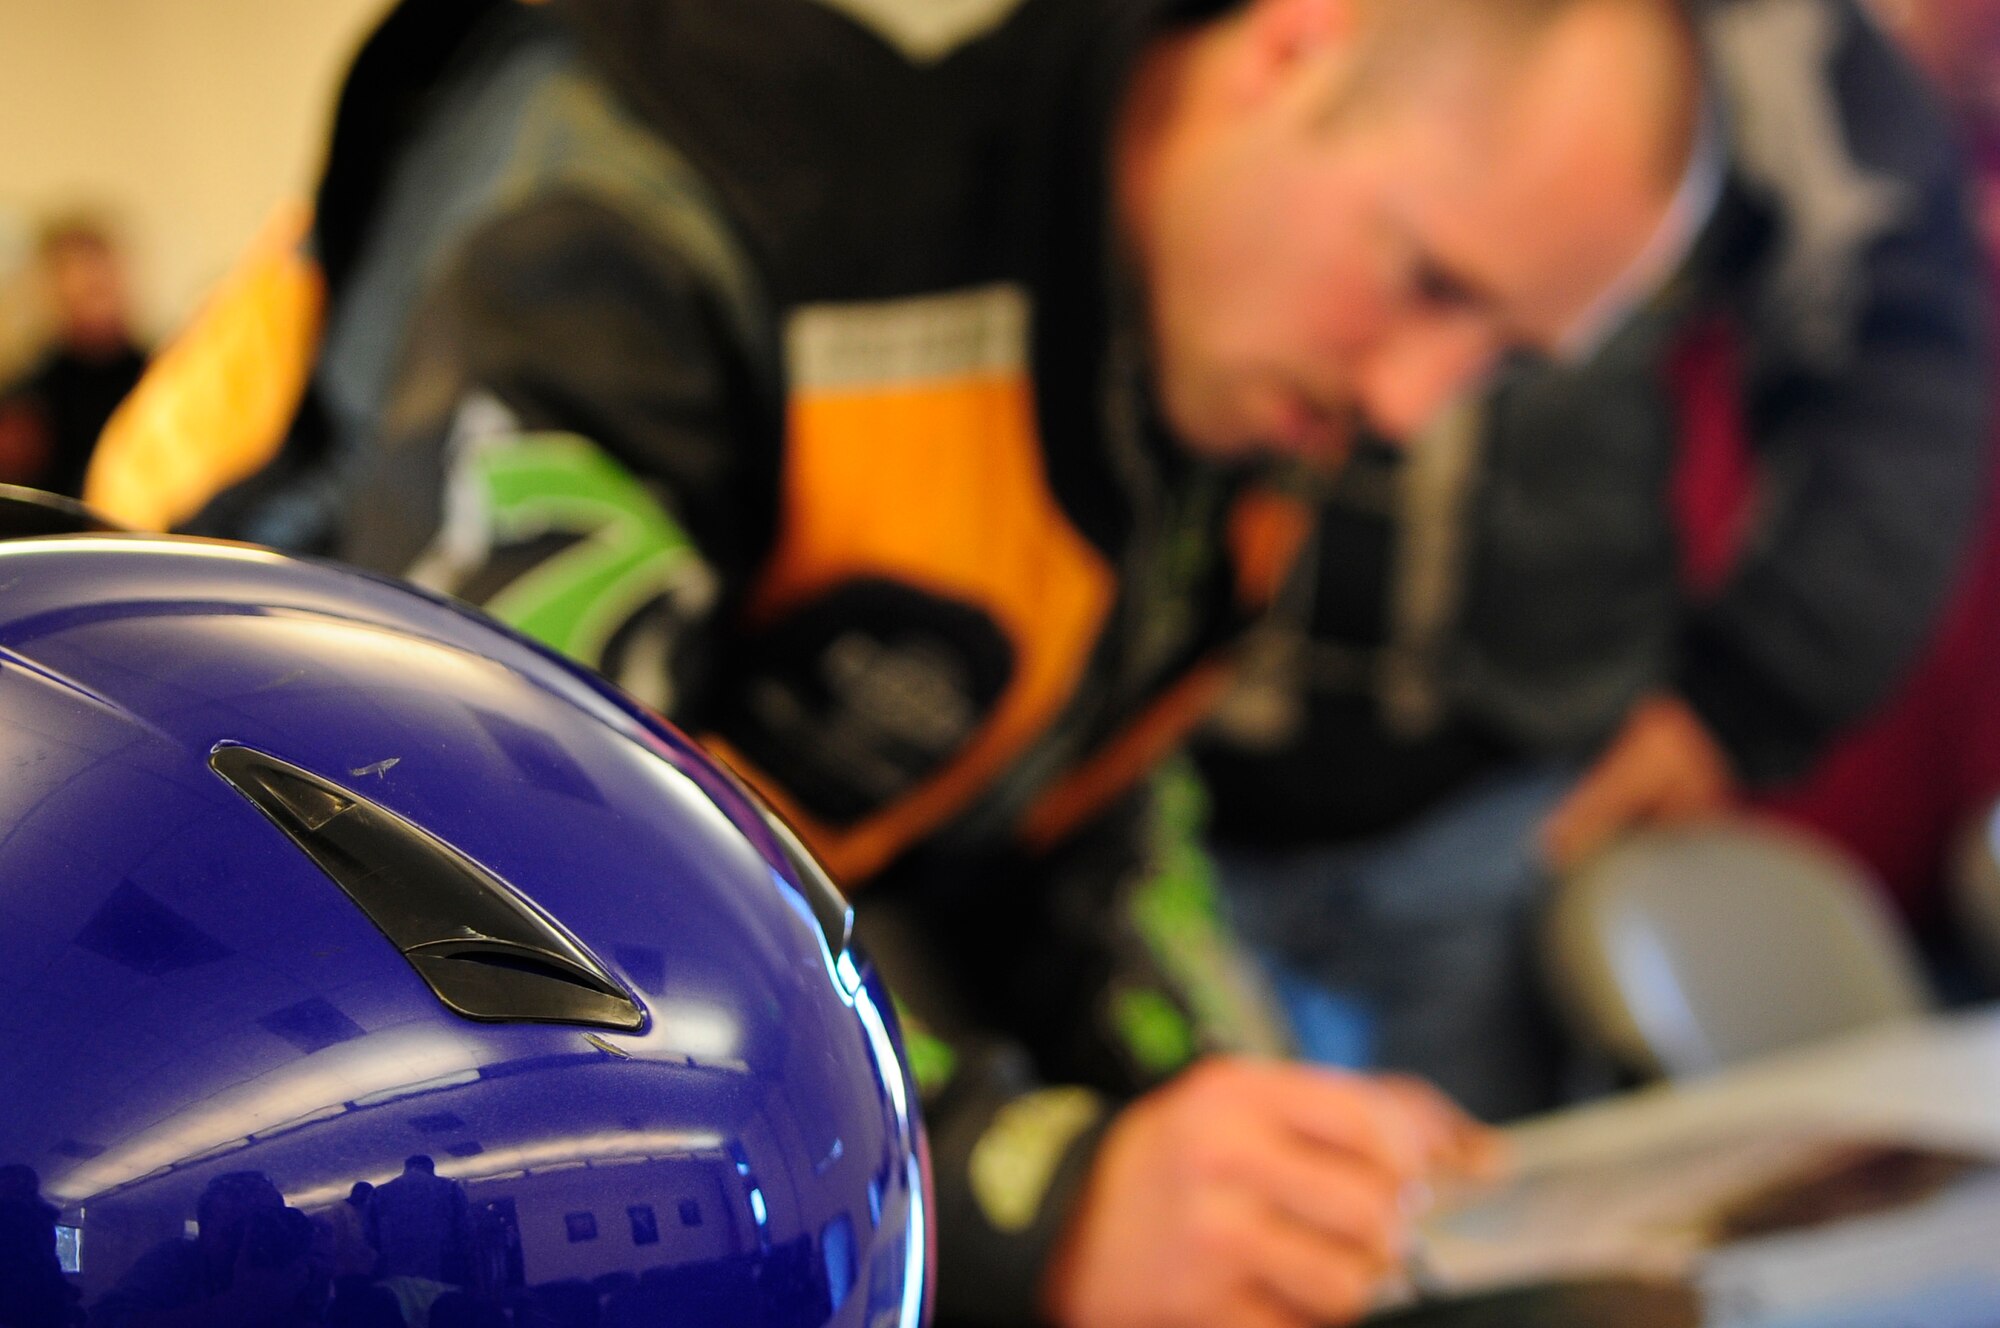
[[486, 950]]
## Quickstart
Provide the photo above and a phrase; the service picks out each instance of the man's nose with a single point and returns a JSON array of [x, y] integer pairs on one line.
[[1413, 376]]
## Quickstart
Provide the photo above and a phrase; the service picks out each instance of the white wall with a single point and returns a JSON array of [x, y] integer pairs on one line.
[[546, 1198], [186, 119]]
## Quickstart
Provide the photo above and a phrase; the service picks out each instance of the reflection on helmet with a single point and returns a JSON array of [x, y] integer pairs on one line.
[[362, 963]]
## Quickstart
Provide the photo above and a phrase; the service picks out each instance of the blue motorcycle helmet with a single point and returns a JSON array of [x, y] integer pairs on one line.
[[362, 962]]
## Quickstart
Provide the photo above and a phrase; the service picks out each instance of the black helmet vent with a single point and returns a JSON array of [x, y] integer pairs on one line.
[[483, 947]]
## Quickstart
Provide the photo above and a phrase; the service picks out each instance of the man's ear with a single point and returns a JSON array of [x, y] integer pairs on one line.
[[1280, 34]]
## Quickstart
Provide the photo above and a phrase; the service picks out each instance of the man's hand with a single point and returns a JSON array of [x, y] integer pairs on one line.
[[1663, 767], [1252, 1194], [1453, 1144]]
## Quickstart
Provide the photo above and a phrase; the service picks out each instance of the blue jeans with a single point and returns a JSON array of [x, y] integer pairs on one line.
[[1418, 950]]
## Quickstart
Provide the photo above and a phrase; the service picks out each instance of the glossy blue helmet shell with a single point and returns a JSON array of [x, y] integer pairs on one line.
[[304, 874]]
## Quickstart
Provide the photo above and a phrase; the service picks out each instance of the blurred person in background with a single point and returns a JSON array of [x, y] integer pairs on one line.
[[1901, 787], [902, 397], [422, 1225], [249, 1265], [51, 418], [33, 1291], [355, 1253], [1957, 45], [1507, 648]]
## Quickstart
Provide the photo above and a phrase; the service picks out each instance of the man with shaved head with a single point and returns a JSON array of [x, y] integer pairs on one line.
[[1637, 589], [1347, 211], [902, 395]]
